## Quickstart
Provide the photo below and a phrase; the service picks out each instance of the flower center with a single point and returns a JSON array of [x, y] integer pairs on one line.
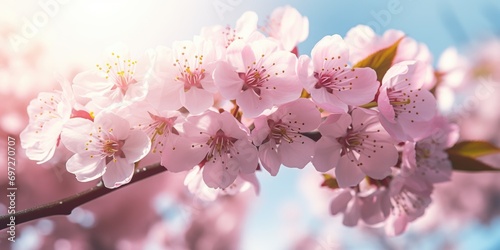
[[279, 132], [337, 81], [120, 72], [219, 144], [254, 79], [112, 149]]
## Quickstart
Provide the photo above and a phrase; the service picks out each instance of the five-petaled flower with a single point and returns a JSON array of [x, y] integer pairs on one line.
[[356, 146], [106, 147]]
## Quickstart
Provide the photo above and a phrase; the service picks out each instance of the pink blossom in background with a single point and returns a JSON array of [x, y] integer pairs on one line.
[[363, 41], [287, 26]]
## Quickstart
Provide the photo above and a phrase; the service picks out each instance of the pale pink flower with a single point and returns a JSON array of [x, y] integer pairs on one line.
[[161, 126], [196, 185], [427, 158], [183, 76], [356, 146], [287, 26], [407, 199], [405, 108], [47, 115], [279, 137], [218, 141], [106, 147], [245, 30], [119, 78], [355, 205], [330, 81], [258, 76], [363, 42]]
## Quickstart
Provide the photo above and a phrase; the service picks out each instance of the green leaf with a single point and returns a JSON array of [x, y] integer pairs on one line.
[[381, 60], [330, 182], [474, 149], [468, 164]]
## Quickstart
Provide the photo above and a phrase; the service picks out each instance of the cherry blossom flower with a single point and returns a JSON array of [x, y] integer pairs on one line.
[[279, 137], [106, 147], [427, 158], [258, 76], [404, 106], [47, 115], [218, 141], [407, 199], [356, 146], [358, 205], [363, 42], [329, 80], [183, 76], [245, 30], [160, 126], [288, 27], [120, 78]]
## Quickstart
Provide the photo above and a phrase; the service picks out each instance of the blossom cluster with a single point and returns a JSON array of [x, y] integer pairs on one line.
[[234, 101]]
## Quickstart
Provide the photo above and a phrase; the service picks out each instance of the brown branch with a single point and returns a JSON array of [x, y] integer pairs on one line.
[[66, 205]]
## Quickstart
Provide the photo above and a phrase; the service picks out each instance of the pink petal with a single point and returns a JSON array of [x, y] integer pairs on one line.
[[352, 213], [326, 154], [118, 173], [183, 154], [340, 200], [220, 173], [76, 133], [227, 80], [252, 178], [297, 153], [246, 155], [330, 52], [347, 172], [384, 106], [116, 125], [261, 130], [361, 83], [335, 125], [137, 146], [377, 162], [253, 105], [198, 100], [269, 158], [301, 114], [85, 167]]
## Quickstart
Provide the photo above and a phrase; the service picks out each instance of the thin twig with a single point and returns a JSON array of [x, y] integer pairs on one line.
[[66, 205]]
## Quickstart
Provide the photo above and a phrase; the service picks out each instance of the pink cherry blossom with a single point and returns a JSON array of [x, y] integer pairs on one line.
[[363, 42], [427, 158], [279, 137], [358, 205], [245, 30], [106, 147], [183, 76], [47, 115], [329, 80], [405, 108], [160, 126], [218, 141], [287, 26], [356, 146], [258, 76], [407, 199], [119, 78]]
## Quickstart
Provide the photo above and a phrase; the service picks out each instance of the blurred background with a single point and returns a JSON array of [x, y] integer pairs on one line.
[[39, 39]]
